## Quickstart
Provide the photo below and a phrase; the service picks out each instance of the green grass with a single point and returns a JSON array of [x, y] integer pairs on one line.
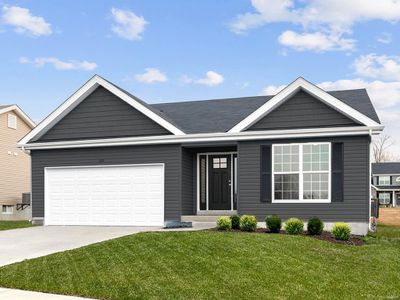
[[6, 225], [216, 265]]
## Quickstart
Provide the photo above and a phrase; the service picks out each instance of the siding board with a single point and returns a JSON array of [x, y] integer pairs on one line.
[[354, 208], [102, 115], [168, 154], [302, 111]]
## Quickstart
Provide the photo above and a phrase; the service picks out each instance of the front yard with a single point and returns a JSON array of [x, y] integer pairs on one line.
[[6, 225], [211, 265]]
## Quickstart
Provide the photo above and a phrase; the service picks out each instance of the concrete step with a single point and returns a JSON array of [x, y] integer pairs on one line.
[[207, 219]]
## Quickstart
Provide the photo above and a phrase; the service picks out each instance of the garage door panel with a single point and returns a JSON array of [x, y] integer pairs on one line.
[[107, 195]]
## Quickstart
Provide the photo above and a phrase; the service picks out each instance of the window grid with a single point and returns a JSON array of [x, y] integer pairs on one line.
[[384, 180], [321, 162]]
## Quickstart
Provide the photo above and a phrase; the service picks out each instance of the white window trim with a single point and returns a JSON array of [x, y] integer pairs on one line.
[[301, 172], [14, 120], [7, 212], [383, 184]]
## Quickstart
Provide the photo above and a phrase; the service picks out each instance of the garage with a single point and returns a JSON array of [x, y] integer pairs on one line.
[[114, 195]]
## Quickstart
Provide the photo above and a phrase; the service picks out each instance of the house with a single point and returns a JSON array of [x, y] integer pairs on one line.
[[15, 164], [105, 157], [386, 182]]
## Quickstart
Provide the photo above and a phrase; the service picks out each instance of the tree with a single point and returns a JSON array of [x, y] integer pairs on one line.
[[380, 148]]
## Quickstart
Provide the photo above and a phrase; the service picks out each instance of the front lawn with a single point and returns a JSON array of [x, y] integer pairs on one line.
[[216, 265], [5, 225]]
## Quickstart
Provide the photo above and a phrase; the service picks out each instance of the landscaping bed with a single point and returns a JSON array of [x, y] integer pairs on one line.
[[6, 225], [324, 236]]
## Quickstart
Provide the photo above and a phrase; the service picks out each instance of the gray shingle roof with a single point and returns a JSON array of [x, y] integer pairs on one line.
[[386, 168], [220, 115]]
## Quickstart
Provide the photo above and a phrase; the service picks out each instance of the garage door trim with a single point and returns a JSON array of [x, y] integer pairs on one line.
[[46, 198]]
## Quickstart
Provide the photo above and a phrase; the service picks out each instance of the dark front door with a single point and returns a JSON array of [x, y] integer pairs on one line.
[[219, 182]]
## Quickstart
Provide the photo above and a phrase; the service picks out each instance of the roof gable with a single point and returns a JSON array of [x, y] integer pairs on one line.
[[302, 111], [102, 115], [81, 95], [19, 112], [289, 91]]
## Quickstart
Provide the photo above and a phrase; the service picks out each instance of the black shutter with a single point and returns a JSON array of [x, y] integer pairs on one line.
[[266, 167], [337, 172]]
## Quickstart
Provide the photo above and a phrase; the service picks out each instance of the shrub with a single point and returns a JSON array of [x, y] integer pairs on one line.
[[315, 226], [224, 223], [294, 226], [235, 219], [273, 223], [341, 231], [248, 223]]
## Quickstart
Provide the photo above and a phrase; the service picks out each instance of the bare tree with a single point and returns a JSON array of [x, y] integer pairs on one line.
[[380, 148]]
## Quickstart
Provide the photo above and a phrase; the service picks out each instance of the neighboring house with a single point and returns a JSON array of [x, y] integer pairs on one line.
[[386, 182], [104, 157], [15, 177]]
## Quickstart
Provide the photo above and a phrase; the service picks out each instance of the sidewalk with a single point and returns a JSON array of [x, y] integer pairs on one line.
[[23, 295]]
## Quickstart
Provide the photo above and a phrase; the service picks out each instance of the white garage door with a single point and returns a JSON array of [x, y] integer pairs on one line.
[[130, 195]]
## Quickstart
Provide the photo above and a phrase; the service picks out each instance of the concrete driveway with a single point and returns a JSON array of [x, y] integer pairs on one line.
[[20, 244]]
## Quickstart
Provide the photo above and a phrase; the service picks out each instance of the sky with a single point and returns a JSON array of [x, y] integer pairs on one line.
[[181, 50]]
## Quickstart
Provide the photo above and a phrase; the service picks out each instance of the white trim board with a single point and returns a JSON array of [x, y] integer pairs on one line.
[[302, 84], [20, 113], [85, 91], [208, 137]]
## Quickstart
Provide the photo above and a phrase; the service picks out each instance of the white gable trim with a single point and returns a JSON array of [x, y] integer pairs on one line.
[[289, 91], [81, 94], [20, 113]]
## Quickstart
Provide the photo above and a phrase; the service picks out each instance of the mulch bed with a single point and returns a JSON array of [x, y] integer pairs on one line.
[[325, 236]]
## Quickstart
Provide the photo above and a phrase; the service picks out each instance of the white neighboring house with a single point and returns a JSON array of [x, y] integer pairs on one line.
[[15, 178]]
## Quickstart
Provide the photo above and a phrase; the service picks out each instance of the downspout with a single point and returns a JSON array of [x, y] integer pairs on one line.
[[370, 226]]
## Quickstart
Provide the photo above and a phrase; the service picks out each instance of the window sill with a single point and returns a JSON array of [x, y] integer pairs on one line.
[[301, 201]]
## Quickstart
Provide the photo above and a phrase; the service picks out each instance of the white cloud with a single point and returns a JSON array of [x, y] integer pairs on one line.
[[382, 67], [318, 17], [24, 22], [151, 75], [212, 79], [127, 24], [316, 41], [385, 38], [59, 64]]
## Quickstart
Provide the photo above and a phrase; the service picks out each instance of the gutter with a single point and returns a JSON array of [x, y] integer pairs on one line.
[[207, 137]]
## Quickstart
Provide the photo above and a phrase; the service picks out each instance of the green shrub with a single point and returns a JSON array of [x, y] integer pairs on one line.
[[273, 223], [341, 231], [294, 226], [248, 223], [224, 223], [315, 226], [235, 219]]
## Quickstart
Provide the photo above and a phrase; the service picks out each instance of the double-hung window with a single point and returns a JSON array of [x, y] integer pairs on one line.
[[301, 172], [384, 180]]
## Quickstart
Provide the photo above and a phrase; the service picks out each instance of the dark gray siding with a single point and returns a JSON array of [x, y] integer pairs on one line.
[[170, 155], [188, 201], [302, 111], [103, 115], [354, 208]]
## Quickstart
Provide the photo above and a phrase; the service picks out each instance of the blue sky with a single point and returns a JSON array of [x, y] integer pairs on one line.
[[184, 50]]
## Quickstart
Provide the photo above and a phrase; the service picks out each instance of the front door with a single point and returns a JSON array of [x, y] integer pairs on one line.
[[219, 182]]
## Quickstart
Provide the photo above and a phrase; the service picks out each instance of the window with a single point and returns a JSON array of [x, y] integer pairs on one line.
[[301, 172], [384, 180], [7, 209], [12, 121], [398, 179], [220, 163], [384, 198]]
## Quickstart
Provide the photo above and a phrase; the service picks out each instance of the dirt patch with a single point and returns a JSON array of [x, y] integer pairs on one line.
[[325, 236], [389, 216]]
